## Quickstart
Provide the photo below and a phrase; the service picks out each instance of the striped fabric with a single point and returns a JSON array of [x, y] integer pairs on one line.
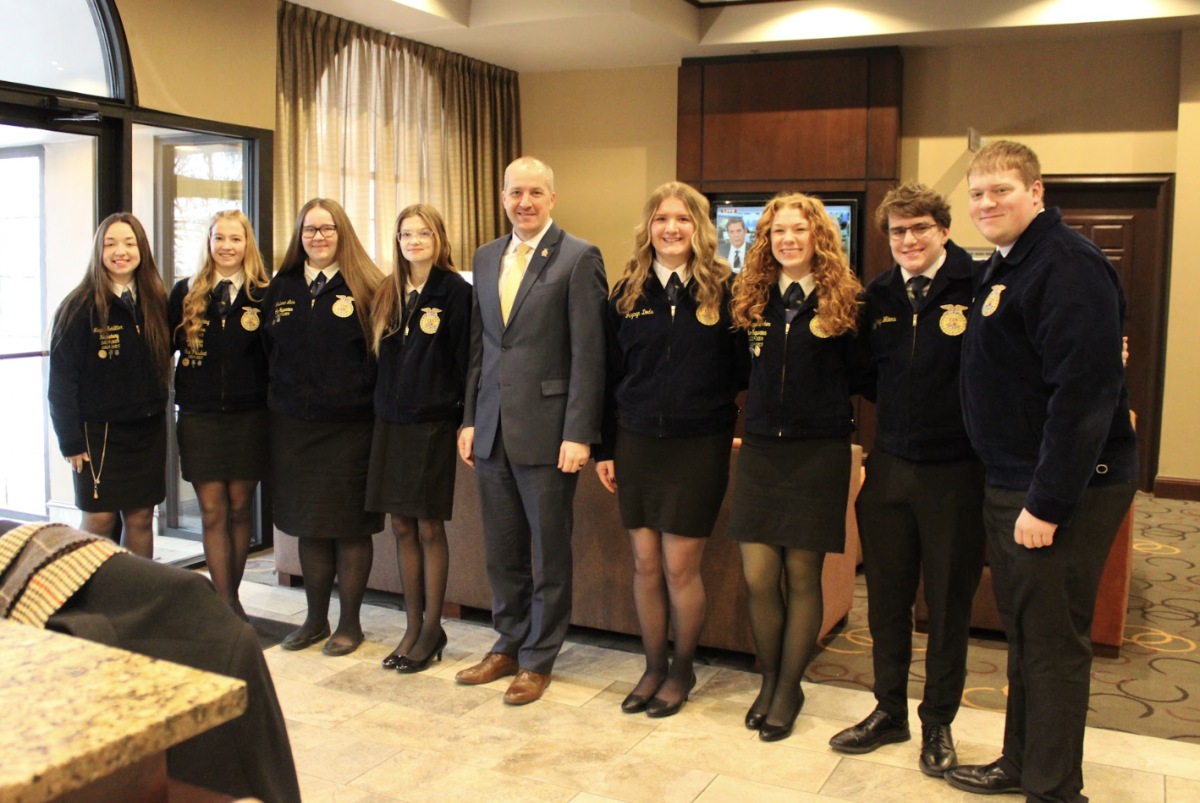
[[43, 565]]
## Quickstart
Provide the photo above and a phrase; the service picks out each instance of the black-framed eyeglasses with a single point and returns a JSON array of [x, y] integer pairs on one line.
[[327, 231], [919, 230]]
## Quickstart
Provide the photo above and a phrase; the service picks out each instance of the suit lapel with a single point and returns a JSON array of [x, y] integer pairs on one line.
[[487, 285], [537, 263]]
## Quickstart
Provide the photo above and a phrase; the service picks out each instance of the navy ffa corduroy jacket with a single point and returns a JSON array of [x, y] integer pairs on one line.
[[1043, 386], [916, 359], [801, 381], [423, 376], [227, 371], [100, 376], [670, 376], [319, 366]]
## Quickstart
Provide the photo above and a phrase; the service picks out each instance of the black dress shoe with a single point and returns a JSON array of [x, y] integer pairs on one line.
[[775, 733], [409, 665], [875, 731], [658, 708], [392, 661], [755, 719], [937, 750], [983, 779], [635, 703], [296, 641]]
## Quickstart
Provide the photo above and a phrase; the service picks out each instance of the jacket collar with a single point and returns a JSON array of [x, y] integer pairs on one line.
[[1040, 224]]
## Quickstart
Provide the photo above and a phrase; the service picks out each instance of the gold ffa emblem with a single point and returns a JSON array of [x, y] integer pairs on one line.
[[953, 321], [102, 354], [344, 306], [707, 317], [817, 329], [250, 320], [993, 300], [430, 320], [184, 362]]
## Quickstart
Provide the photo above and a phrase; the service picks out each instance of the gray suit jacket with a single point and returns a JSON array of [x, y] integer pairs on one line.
[[543, 373]]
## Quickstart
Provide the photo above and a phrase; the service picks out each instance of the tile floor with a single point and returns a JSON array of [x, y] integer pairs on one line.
[[361, 734]]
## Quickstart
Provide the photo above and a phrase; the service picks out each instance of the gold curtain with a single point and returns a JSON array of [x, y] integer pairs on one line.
[[378, 122]]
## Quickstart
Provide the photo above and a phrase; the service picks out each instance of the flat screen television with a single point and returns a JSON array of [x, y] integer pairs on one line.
[[844, 208]]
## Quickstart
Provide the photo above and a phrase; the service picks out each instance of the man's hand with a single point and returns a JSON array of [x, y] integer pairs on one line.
[[607, 474], [466, 445], [573, 456], [1032, 532]]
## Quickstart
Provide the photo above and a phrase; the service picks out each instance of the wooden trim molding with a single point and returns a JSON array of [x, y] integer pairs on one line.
[[1177, 488]]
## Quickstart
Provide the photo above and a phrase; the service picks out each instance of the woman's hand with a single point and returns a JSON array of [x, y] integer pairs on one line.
[[76, 461], [607, 474]]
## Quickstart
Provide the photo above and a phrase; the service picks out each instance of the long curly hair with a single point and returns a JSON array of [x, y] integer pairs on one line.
[[388, 303], [360, 273], [94, 291], [195, 303], [709, 271], [837, 287]]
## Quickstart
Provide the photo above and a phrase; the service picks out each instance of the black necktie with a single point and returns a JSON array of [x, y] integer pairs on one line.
[[737, 259], [221, 293], [674, 289], [916, 287], [792, 300], [127, 302], [410, 306], [318, 284]]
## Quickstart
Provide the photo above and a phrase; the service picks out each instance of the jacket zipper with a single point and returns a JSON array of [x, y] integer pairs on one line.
[[787, 328]]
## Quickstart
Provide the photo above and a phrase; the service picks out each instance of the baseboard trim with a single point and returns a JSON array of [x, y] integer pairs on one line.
[[1177, 488]]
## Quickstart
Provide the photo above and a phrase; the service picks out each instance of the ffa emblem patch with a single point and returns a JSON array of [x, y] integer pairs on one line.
[[993, 300], [707, 318], [815, 327], [250, 320], [102, 354], [430, 320], [953, 321], [344, 306]]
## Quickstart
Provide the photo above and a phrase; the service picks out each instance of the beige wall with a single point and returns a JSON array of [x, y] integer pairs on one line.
[[212, 59], [610, 137]]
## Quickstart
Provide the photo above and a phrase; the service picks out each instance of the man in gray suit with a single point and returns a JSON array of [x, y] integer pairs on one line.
[[535, 392], [734, 251]]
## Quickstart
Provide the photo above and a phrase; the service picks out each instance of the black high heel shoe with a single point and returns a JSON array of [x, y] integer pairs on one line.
[[409, 665], [774, 733], [636, 703], [392, 661], [658, 708]]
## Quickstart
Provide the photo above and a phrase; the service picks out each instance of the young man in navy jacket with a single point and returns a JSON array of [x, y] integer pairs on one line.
[[1047, 411], [920, 510]]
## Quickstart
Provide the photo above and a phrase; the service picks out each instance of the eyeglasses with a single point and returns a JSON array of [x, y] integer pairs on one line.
[[424, 234], [327, 231], [919, 230]]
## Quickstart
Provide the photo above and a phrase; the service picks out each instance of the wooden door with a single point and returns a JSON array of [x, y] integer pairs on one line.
[[1129, 217]]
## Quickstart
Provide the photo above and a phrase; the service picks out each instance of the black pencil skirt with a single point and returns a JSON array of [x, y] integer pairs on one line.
[[412, 469], [217, 446], [673, 485], [319, 478], [127, 465]]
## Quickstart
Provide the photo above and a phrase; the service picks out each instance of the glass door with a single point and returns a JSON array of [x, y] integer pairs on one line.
[[180, 179]]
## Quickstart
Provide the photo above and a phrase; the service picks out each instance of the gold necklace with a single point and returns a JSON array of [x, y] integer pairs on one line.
[[91, 463]]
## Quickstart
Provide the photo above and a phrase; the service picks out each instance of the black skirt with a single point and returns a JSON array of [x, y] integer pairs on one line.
[[673, 485], [129, 460], [319, 478], [412, 469], [216, 446], [792, 493]]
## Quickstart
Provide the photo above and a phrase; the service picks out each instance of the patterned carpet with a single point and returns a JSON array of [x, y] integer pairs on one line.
[[1153, 688]]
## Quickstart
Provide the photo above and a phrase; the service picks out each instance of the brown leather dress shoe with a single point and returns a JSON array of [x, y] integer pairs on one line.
[[526, 687], [494, 665]]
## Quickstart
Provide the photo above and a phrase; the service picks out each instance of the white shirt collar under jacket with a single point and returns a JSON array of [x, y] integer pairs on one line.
[[807, 284], [310, 272], [664, 273]]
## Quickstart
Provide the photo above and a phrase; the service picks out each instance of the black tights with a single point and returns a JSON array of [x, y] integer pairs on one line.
[[785, 628], [424, 564], [667, 588], [350, 560], [227, 509], [137, 528]]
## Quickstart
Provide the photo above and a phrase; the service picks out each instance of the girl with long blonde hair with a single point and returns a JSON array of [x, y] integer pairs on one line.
[[221, 391], [675, 367], [797, 301], [421, 325]]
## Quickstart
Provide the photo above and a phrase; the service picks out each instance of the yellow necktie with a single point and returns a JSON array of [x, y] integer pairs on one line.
[[514, 271]]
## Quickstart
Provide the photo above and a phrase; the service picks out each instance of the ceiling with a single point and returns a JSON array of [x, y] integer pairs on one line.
[[552, 35]]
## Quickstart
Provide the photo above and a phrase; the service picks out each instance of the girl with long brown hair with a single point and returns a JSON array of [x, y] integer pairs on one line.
[[421, 327], [109, 366], [797, 300], [221, 391], [317, 325], [674, 370]]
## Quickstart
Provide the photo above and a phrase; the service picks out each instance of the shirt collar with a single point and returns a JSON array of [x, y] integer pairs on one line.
[[807, 284], [310, 273], [929, 273], [664, 273], [118, 289], [533, 242]]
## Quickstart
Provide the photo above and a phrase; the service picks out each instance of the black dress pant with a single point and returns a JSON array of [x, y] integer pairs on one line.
[[921, 518], [1047, 598]]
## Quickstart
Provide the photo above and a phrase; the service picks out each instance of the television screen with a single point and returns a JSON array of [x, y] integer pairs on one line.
[[748, 209]]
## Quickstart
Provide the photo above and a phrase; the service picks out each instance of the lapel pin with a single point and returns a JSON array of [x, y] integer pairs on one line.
[[545, 252]]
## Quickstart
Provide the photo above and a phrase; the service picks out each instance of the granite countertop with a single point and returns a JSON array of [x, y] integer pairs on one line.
[[75, 710]]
